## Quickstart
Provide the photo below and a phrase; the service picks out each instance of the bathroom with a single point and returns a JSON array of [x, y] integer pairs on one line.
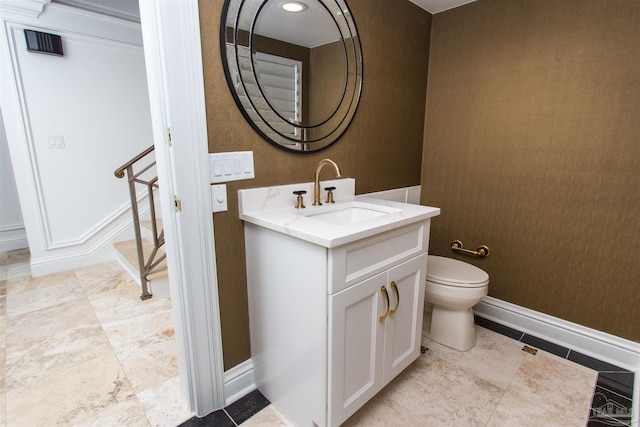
[[527, 139], [519, 121]]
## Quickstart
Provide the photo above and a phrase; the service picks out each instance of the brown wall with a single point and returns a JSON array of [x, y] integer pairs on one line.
[[532, 147], [381, 149]]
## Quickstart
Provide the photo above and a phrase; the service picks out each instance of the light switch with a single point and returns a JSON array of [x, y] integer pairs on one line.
[[231, 166], [219, 198], [55, 142]]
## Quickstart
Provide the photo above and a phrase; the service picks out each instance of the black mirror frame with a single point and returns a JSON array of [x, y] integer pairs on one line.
[[330, 129]]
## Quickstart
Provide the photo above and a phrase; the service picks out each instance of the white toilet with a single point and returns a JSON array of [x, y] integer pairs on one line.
[[454, 287]]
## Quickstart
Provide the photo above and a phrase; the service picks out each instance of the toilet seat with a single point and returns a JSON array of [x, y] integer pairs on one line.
[[454, 273]]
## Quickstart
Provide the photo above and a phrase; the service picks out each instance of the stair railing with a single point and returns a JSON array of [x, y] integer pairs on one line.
[[146, 265]]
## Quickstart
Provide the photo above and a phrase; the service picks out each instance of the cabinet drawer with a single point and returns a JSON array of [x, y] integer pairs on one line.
[[359, 260]]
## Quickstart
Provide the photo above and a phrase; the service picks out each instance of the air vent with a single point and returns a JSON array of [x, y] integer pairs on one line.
[[43, 42]]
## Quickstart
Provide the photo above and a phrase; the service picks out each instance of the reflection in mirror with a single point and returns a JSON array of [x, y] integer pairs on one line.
[[296, 77]]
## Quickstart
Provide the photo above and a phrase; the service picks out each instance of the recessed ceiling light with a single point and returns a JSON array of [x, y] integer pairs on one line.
[[293, 6]]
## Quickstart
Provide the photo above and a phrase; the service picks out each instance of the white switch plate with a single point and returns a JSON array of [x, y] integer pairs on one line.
[[55, 142], [219, 198], [232, 166]]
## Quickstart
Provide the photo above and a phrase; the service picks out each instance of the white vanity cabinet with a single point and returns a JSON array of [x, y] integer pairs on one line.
[[324, 337], [374, 333]]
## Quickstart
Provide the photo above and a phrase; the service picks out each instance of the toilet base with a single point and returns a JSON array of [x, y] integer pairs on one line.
[[453, 328]]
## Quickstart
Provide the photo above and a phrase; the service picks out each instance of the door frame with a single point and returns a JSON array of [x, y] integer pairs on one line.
[[172, 48]]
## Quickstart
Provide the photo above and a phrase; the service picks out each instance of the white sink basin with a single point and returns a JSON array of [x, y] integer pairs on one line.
[[352, 213], [331, 225]]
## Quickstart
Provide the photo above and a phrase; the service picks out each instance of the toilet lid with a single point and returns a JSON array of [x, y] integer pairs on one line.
[[452, 272]]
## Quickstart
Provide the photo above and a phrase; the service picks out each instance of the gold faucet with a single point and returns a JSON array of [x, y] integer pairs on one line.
[[316, 183]]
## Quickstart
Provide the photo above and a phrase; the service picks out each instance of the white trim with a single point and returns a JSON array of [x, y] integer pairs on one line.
[[601, 345], [13, 238], [173, 56], [239, 381]]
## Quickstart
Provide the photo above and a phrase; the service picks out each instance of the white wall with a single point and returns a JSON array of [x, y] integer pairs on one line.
[[12, 232], [95, 99]]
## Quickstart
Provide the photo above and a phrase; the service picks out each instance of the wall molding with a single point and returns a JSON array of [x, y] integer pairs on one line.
[[13, 237], [238, 381], [601, 345]]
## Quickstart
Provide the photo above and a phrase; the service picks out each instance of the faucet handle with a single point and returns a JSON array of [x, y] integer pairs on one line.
[[299, 201], [330, 194]]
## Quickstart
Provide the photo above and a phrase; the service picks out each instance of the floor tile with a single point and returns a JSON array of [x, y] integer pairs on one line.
[[549, 387], [164, 404], [247, 406], [268, 417], [444, 394], [38, 299], [70, 396], [214, 419], [497, 327], [545, 345], [30, 362], [382, 412], [495, 358]]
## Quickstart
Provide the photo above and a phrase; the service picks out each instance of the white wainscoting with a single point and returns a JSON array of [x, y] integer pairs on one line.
[[94, 100]]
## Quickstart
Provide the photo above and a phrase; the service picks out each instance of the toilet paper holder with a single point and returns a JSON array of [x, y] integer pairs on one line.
[[482, 251]]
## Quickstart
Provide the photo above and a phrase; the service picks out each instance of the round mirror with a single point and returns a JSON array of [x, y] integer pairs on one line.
[[296, 76]]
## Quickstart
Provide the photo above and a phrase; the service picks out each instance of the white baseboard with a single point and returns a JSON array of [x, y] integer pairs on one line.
[[13, 238], [238, 381], [601, 345]]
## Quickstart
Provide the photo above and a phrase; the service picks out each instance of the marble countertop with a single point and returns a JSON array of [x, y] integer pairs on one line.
[[274, 208]]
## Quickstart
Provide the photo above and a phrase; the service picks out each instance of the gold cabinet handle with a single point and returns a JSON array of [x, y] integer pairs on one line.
[[394, 287], [386, 297]]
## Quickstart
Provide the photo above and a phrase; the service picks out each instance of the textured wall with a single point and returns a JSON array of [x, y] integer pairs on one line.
[[382, 148], [532, 147]]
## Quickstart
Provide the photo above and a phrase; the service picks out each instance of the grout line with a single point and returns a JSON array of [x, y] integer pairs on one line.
[[230, 417]]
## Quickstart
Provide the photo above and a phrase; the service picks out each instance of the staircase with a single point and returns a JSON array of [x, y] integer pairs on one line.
[[143, 257], [127, 256]]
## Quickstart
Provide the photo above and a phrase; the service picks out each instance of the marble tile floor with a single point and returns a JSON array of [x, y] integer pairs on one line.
[[495, 384], [80, 348]]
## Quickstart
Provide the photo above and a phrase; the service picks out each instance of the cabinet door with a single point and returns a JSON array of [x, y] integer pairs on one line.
[[356, 339], [403, 328]]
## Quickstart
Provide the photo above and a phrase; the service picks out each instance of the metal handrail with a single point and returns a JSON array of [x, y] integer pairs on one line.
[[145, 266], [119, 173]]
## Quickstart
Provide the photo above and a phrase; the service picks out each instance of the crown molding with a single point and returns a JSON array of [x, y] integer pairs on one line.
[[30, 8]]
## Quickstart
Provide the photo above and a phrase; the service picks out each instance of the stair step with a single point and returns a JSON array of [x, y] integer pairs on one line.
[[130, 253], [147, 230]]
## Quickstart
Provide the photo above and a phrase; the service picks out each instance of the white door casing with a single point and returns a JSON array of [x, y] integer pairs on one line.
[[171, 33]]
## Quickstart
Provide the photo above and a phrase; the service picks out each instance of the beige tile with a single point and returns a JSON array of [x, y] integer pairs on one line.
[[145, 346], [32, 361], [127, 413], [547, 384], [18, 256], [41, 324], [268, 417], [98, 275], [495, 358], [29, 283], [71, 396], [164, 404], [382, 412], [444, 394], [38, 299], [18, 270]]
